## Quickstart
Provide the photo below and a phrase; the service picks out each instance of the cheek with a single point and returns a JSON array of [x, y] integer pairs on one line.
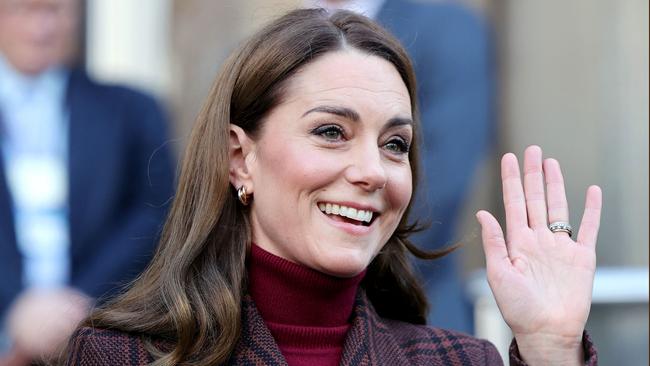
[[297, 168], [400, 189]]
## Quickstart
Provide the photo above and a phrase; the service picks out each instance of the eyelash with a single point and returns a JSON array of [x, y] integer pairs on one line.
[[401, 144], [322, 130]]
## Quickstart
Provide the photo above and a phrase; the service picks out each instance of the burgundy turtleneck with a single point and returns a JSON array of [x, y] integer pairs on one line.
[[307, 312]]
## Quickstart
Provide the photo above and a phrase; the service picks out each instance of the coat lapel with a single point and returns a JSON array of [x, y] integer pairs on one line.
[[368, 343], [11, 268], [256, 345], [80, 160]]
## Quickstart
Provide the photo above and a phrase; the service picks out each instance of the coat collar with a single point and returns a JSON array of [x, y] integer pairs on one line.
[[368, 343]]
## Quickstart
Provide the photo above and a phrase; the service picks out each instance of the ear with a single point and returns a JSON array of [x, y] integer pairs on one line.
[[240, 147]]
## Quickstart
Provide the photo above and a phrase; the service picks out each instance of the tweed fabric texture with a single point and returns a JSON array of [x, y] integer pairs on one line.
[[588, 347], [371, 341]]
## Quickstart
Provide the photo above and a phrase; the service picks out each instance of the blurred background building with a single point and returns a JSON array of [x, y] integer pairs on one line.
[[573, 78]]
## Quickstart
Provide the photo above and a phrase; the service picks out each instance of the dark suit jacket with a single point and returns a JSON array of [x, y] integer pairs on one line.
[[120, 176], [451, 50], [371, 340]]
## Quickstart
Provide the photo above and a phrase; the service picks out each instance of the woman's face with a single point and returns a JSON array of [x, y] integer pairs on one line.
[[329, 171]]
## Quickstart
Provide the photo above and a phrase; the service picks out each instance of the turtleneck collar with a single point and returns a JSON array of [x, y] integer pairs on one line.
[[291, 294], [307, 312]]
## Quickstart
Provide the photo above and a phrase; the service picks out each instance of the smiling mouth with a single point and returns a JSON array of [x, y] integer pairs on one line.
[[347, 214]]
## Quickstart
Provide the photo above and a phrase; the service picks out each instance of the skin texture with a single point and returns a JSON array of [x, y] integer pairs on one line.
[[41, 321], [290, 167], [542, 281], [37, 34]]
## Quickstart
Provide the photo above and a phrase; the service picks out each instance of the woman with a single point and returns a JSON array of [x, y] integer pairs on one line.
[[287, 239]]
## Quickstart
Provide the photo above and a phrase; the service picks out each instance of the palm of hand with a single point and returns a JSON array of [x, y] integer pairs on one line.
[[542, 281], [547, 288]]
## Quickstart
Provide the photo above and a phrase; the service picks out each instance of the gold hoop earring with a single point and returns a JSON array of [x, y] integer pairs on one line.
[[242, 195]]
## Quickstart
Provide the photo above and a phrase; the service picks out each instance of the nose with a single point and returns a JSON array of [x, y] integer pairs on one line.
[[367, 170]]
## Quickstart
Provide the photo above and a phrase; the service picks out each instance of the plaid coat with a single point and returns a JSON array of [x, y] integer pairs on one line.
[[371, 341]]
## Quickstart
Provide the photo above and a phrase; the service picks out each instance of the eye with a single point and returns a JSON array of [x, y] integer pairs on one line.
[[329, 132], [397, 145]]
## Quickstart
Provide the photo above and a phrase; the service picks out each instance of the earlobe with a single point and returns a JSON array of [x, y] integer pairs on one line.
[[240, 147]]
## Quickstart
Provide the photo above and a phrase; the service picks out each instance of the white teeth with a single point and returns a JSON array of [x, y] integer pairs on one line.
[[352, 213], [349, 212], [362, 215]]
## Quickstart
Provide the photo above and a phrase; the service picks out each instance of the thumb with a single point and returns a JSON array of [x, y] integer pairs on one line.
[[494, 244]]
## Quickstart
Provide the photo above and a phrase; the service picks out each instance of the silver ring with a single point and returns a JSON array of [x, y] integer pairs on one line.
[[561, 226]]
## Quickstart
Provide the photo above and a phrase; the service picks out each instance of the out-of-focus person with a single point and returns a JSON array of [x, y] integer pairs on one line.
[[84, 175], [451, 51]]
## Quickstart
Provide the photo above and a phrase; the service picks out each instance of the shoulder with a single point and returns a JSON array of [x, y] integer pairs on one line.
[[81, 85], [429, 16], [441, 10], [425, 344], [446, 34], [98, 347], [119, 108]]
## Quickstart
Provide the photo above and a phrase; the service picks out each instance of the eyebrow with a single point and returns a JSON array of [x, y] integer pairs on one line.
[[338, 111], [399, 121], [354, 116]]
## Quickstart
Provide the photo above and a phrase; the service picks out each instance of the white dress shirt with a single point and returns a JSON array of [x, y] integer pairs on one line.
[[33, 133]]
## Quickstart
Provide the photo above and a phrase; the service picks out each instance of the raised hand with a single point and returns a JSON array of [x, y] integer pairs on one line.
[[542, 281]]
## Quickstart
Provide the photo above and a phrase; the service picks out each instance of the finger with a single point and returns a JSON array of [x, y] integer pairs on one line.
[[590, 223], [494, 244], [534, 187], [513, 194], [558, 209]]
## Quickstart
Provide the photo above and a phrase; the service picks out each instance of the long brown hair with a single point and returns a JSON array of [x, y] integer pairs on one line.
[[191, 292]]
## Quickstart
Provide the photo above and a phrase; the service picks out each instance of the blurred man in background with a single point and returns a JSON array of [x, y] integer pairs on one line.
[[451, 49], [84, 176]]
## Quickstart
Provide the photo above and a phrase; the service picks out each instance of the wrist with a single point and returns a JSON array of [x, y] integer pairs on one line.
[[550, 349]]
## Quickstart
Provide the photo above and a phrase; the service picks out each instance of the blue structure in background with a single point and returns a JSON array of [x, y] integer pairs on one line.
[[451, 49]]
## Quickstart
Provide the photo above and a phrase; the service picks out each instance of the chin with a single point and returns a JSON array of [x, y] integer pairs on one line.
[[34, 60], [344, 264], [30, 67]]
